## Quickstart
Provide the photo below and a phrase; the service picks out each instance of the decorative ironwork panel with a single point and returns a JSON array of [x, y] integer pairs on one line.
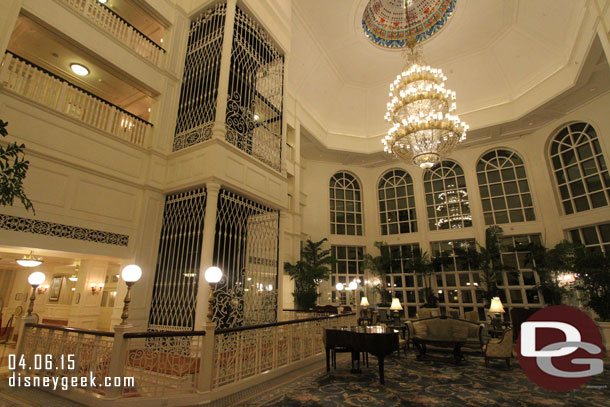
[[40, 227], [177, 274], [197, 108], [246, 353], [256, 91], [246, 249], [162, 366], [90, 353]]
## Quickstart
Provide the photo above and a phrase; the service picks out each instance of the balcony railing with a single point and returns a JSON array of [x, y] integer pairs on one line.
[[184, 368], [39, 85], [240, 353], [119, 28]]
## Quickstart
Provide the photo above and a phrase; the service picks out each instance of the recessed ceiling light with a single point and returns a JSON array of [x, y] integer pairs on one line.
[[102, 1], [256, 117], [79, 69]]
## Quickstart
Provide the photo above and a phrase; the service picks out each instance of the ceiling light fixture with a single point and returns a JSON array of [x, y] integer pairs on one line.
[[74, 276], [424, 127], [29, 260], [103, 1], [79, 69]]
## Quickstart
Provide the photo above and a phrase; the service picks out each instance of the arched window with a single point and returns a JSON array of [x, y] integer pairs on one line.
[[396, 203], [446, 197], [580, 169], [345, 205], [505, 192]]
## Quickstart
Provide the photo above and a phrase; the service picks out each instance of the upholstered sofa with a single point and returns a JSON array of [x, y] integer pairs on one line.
[[441, 328]]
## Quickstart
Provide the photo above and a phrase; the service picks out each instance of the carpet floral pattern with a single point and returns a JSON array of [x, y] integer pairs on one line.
[[433, 382]]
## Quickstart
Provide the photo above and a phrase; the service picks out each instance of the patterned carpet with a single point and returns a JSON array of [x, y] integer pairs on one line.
[[433, 382]]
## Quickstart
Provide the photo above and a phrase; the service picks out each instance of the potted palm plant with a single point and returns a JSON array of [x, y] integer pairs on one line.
[[551, 264], [307, 273], [379, 266], [593, 280], [13, 169]]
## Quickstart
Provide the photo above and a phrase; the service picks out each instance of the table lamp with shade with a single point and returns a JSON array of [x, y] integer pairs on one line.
[[497, 309], [364, 302], [395, 308]]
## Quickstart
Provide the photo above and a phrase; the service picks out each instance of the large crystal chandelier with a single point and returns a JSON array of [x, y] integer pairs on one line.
[[424, 127]]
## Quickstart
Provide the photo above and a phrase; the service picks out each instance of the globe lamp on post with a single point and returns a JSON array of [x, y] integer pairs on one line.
[[130, 274], [35, 279], [212, 275]]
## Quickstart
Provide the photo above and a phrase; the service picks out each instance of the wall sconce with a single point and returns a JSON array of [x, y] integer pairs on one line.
[[35, 279], [96, 288], [42, 289]]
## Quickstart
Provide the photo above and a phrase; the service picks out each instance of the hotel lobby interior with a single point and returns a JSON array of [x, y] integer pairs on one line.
[[304, 202]]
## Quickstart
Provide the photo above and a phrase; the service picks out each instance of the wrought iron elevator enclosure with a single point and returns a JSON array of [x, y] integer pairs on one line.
[[245, 247], [245, 73]]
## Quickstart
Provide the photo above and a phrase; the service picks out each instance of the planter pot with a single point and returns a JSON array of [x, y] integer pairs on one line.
[[604, 328]]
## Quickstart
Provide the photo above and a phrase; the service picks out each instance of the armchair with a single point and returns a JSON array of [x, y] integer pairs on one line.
[[499, 348]]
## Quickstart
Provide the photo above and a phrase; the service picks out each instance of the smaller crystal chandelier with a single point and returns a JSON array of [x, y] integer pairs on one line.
[[424, 127]]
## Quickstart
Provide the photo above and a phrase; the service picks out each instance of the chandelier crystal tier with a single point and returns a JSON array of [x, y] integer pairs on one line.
[[421, 110]]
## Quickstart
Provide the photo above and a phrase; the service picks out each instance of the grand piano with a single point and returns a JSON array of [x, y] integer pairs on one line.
[[377, 340]]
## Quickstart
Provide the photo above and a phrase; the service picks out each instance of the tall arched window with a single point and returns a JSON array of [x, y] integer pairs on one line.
[[580, 169], [396, 203], [446, 197], [345, 205], [505, 192]]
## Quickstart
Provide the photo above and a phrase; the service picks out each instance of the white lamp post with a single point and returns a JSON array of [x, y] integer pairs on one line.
[[212, 275], [35, 279], [130, 274]]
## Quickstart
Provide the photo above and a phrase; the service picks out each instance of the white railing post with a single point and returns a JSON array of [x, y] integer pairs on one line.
[[206, 360], [4, 71], [21, 334], [118, 359]]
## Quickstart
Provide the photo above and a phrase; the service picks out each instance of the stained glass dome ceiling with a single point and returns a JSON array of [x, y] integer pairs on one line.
[[383, 21]]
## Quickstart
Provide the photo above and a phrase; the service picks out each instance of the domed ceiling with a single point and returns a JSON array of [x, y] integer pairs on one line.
[[502, 58], [384, 21]]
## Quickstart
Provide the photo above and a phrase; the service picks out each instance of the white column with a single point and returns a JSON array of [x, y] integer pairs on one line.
[[219, 131], [118, 359], [9, 11], [207, 254], [86, 313], [282, 257]]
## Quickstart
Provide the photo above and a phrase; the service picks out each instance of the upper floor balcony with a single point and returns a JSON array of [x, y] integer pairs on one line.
[[33, 82], [44, 68], [102, 15]]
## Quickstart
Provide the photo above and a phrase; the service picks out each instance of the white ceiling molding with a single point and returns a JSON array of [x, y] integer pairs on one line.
[[504, 59]]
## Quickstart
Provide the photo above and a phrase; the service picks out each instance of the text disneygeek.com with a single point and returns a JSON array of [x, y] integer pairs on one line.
[[45, 365]]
